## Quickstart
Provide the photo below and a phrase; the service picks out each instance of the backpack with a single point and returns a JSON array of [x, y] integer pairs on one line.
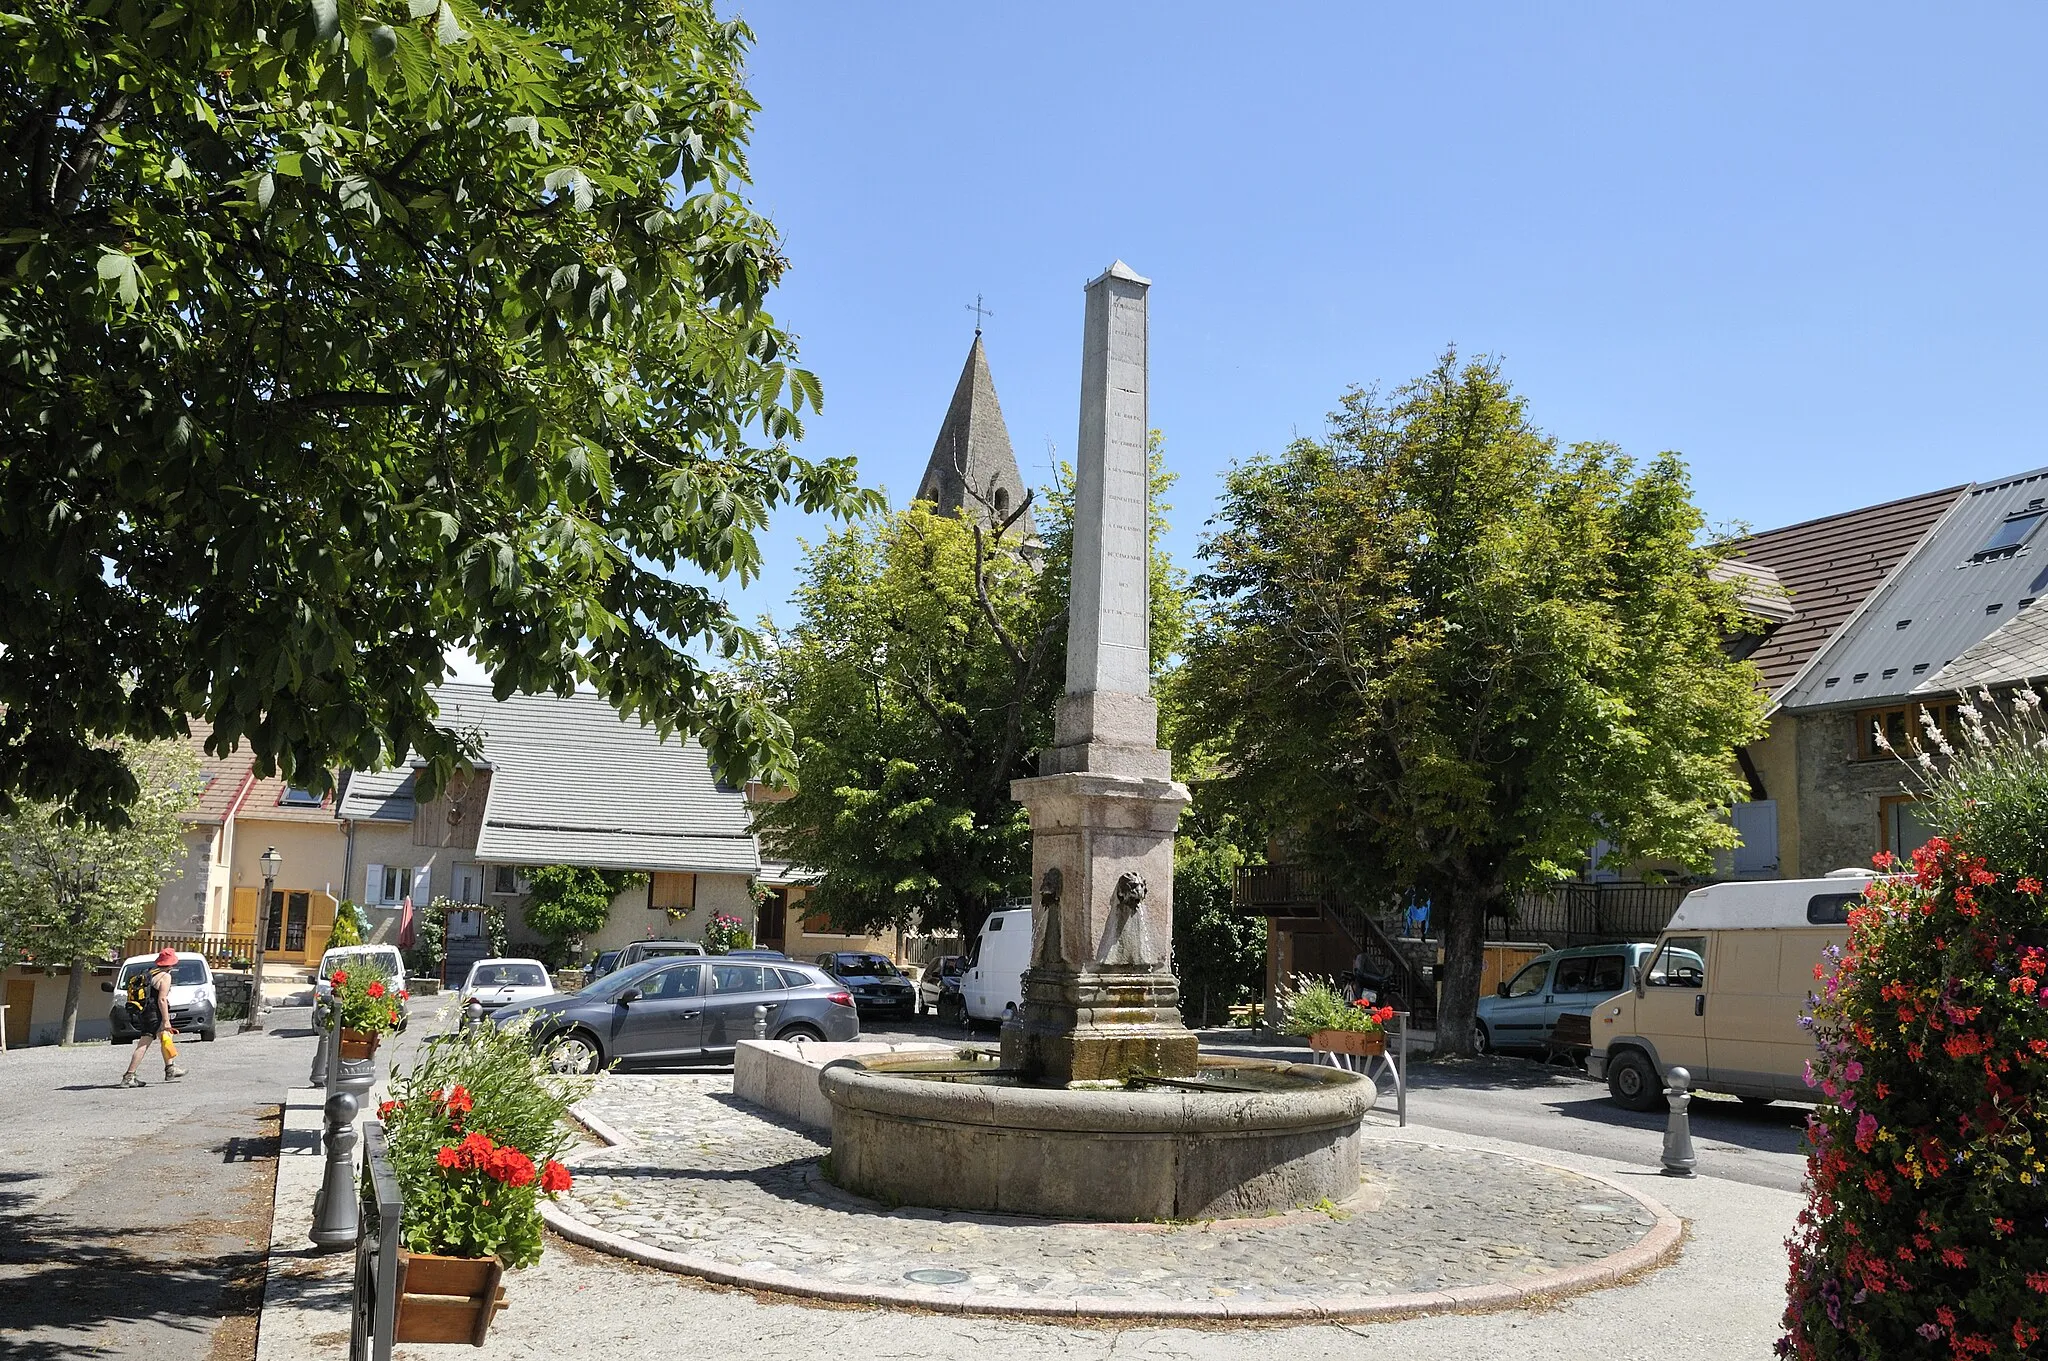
[[141, 1005]]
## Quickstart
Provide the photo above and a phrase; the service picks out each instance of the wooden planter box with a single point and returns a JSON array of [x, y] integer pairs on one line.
[[357, 1045], [1358, 1042], [447, 1299]]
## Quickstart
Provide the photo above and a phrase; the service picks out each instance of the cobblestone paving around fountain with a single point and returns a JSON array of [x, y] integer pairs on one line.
[[710, 1185]]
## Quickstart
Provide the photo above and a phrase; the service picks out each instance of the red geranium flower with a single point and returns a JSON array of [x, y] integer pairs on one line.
[[384, 1110], [448, 1157], [554, 1177], [338, 977], [375, 989], [459, 1100]]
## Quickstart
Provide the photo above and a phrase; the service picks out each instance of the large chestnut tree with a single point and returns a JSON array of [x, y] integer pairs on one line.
[[338, 334]]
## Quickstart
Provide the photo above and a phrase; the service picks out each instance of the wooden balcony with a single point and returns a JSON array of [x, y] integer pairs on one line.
[[1286, 892]]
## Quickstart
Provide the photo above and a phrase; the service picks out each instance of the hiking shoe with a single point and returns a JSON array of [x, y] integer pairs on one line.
[[130, 1080], [172, 1072]]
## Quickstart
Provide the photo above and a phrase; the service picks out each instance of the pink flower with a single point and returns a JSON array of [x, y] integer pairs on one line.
[[1854, 1072], [1866, 1131]]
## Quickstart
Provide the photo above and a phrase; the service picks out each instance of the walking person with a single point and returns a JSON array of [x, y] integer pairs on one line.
[[149, 1011]]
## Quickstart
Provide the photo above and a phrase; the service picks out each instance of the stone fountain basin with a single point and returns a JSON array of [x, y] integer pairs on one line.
[[905, 1132]]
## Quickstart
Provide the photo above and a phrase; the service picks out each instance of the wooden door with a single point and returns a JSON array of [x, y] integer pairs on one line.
[[21, 1000], [242, 914]]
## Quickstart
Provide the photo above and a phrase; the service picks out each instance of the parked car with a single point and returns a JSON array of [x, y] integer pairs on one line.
[[606, 962], [672, 1009], [1724, 993], [494, 983], [192, 995], [938, 988], [655, 949], [1524, 1010], [383, 958], [992, 977], [877, 985]]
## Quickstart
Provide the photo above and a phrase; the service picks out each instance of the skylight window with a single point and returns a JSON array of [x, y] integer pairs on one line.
[[294, 797], [2011, 532]]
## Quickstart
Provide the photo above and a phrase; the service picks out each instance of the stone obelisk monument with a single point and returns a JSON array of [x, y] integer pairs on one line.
[[1100, 999]]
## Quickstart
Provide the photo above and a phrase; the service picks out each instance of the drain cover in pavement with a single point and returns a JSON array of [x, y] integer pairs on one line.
[[935, 1276]]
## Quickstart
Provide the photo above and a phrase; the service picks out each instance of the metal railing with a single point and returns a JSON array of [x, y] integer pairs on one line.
[[1593, 913], [219, 950], [377, 1286]]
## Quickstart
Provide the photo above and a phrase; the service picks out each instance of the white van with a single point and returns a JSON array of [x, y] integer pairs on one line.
[[992, 980], [1724, 995]]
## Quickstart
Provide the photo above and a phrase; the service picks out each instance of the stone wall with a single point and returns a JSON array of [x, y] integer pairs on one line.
[[1841, 814]]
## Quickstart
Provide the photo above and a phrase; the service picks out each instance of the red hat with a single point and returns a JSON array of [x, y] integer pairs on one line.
[[166, 957]]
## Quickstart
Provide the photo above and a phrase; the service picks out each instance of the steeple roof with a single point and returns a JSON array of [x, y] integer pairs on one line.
[[973, 452]]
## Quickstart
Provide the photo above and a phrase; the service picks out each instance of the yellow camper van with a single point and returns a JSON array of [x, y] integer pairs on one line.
[[1723, 995]]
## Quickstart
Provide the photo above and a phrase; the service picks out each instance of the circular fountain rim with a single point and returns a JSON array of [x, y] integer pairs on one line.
[[1328, 1098]]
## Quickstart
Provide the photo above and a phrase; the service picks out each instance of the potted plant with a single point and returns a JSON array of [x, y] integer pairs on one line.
[[473, 1135], [1316, 1010], [370, 1005]]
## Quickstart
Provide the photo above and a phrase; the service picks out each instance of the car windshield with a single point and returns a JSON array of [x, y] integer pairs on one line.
[[508, 976], [868, 965], [382, 962], [185, 973], [618, 980]]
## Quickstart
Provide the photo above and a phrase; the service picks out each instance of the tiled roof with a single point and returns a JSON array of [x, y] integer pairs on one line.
[[378, 796], [2017, 651], [1949, 596], [1831, 566], [573, 783], [224, 777], [266, 804]]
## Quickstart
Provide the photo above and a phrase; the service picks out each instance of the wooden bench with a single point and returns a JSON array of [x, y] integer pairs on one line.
[[1571, 1039]]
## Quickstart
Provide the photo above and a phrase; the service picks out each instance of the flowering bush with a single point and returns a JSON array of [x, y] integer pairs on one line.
[[474, 1132], [725, 933], [1924, 1232], [369, 1001], [1315, 1004]]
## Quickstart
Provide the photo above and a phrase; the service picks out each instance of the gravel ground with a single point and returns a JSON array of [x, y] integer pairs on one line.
[[712, 1176]]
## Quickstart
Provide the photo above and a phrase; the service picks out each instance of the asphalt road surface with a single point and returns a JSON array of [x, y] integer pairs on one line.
[[134, 1223]]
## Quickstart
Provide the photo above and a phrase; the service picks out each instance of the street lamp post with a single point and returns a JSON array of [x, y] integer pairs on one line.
[[272, 864]]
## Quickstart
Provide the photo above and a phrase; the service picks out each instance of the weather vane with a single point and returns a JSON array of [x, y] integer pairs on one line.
[[981, 313]]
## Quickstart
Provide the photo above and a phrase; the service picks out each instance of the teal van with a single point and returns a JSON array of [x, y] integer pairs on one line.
[[1525, 1009]]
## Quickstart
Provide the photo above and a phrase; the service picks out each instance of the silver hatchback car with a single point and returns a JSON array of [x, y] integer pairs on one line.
[[685, 1010]]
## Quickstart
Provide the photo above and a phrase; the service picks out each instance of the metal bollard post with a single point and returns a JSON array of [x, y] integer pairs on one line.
[[472, 1014], [334, 1211], [1679, 1159], [760, 1023], [322, 1060]]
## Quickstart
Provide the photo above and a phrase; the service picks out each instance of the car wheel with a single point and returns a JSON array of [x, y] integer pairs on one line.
[[575, 1053], [1632, 1082], [800, 1032], [207, 1034]]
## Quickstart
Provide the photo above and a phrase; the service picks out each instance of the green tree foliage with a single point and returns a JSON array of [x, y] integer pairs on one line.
[[568, 901], [348, 926], [921, 678], [1448, 654], [1219, 954], [335, 334], [72, 890]]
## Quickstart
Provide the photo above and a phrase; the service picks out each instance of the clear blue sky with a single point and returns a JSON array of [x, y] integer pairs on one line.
[[1803, 246]]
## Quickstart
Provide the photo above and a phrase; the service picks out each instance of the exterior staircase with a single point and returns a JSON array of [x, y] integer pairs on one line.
[[1300, 899]]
